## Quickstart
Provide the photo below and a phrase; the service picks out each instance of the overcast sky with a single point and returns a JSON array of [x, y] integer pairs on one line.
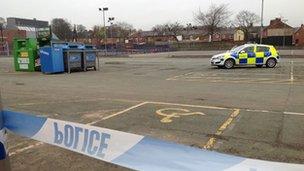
[[144, 14]]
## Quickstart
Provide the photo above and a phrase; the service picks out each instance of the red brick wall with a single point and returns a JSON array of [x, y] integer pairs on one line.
[[299, 37], [9, 36]]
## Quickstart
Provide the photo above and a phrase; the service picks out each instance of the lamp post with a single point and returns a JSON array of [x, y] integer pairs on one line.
[[103, 10], [35, 27], [262, 22], [111, 20]]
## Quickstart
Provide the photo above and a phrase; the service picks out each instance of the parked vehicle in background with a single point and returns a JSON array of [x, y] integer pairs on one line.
[[248, 54]]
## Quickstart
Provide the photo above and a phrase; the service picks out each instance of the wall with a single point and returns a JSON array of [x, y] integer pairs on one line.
[[299, 37]]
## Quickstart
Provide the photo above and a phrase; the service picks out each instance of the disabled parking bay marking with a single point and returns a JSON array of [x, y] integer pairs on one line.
[[170, 113]]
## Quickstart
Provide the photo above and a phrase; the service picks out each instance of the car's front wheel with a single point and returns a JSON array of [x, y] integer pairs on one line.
[[271, 63], [229, 63]]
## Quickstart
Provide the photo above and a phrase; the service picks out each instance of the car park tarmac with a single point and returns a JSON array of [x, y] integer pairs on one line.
[[246, 111]]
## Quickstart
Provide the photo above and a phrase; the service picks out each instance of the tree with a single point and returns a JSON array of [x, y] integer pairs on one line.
[[168, 29], [160, 29], [245, 20], [81, 31], [98, 33], [123, 29], [62, 29], [217, 16]]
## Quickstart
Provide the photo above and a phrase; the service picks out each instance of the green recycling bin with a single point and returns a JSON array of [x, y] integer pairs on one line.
[[25, 54]]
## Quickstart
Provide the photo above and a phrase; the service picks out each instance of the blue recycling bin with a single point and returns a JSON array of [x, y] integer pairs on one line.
[[90, 57], [73, 54], [51, 59]]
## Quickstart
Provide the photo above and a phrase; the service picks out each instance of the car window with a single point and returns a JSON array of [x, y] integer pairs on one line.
[[248, 49], [237, 48], [262, 49]]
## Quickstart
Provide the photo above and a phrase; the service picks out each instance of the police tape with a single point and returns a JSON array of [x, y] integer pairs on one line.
[[129, 150]]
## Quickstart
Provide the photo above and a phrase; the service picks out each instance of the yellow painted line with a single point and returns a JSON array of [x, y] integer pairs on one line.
[[222, 128], [187, 105]]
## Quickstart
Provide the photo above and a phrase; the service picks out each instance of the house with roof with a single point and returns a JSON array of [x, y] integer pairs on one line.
[[298, 36], [278, 33]]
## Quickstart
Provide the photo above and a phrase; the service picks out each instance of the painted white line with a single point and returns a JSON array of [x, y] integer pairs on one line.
[[291, 72], [187, 105], [175, 77], [118, 113], [262, 111], [25, 148], [294, 113], [75, 101]]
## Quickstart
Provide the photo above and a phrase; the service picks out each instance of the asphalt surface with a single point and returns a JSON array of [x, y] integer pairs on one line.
[[250, 112]]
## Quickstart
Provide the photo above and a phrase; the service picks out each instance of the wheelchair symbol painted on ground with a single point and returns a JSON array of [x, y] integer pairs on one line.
[[170, 113]]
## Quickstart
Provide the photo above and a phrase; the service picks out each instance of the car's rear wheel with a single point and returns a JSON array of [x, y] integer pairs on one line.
[[271, 63], [259, 66], [229, 63]]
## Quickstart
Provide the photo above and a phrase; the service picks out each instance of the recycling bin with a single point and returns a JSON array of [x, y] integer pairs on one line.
[[51, 59], [73, 54], [25, 55], [90, 57]]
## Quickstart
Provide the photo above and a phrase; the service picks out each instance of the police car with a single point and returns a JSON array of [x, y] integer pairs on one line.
[[248, 54]]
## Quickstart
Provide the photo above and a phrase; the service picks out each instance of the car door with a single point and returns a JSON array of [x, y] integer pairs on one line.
[[262, 52], [247, 56]]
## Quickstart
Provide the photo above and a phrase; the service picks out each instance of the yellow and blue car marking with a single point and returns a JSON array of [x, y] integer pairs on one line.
[[254, 57]]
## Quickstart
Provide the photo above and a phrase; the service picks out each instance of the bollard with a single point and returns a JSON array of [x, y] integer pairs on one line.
[[4, 157]]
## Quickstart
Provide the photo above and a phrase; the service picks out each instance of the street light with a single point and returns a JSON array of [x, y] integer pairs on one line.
[[104, 25], [35, 27], [262, 22], [111, 20]]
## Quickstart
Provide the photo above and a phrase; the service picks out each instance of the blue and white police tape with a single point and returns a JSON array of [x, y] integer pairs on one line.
[[130, 150]]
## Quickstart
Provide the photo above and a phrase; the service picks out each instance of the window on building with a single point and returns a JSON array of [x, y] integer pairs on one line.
[[262, 49]]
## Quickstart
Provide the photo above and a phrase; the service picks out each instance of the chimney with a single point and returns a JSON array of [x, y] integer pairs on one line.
[[276, 20]]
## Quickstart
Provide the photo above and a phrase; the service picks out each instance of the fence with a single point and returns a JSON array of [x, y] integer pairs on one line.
[[4, 49]]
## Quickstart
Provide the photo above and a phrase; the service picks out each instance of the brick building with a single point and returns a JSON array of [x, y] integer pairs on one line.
[[278, 33], [298, 37], [10, 34]]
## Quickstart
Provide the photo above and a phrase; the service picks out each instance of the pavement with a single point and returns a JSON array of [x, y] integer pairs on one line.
[[248, 111]]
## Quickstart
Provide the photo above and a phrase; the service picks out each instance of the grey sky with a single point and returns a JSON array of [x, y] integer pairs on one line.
[[143, 13]]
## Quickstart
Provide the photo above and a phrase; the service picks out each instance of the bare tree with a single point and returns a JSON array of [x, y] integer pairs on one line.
[[81, 31], [168, 29], [98, 33], [245, 20], [175, 28], [217, 16], [160, 29], [62, 28], [122, 30]]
